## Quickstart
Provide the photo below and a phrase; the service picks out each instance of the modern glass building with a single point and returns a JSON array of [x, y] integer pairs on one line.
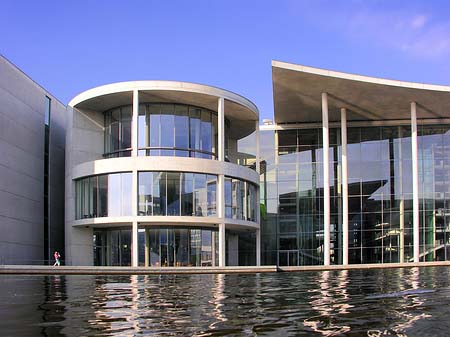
[[162, 174], [354, 170]]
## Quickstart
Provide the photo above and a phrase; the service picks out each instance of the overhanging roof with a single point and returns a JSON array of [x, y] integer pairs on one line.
[[297, 96]]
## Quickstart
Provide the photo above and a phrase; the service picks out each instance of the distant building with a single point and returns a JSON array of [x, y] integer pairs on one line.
[[351, 170]]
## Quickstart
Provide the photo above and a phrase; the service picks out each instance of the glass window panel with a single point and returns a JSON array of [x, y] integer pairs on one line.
[[206, 133], [211, 194], [228, 198], [195, 132], [155, 125], [173, 193], [115, 130], [159, 193], [181, 130], [145, 193], [126, 185], [187, 195], [86, 198], [143, 130], [125, 134], [114, 195], [167, 134], [200, 195], [103, 195]]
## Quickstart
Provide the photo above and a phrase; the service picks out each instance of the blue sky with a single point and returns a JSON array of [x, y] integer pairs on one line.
[[71, 46]]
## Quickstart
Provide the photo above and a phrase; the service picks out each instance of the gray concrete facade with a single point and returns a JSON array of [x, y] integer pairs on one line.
[[22, 144]]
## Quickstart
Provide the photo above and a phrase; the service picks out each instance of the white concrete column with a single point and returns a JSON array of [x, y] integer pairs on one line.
[[221, 215], [134, 244], [222, 245], [258, 154], [134, 124], [326, 181], [147, 247], [415, 173], [221, 128], [134, 212], [344, 187], [258, 211], [402, 198], [258, 247]]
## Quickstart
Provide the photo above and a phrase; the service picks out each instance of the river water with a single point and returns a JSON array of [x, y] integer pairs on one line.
[[382, 302]]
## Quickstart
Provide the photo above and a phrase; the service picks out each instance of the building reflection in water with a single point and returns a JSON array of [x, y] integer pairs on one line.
[[410, 308], [218, 298], [52, 308], [329, 299]]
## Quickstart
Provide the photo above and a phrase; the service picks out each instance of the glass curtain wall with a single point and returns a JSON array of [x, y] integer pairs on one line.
[[380, 196], [117, 134], [299, 178], [103, 195], [177, 193], [240, 199], [112, 247], [434, 192], [176, 247], [177, 130]]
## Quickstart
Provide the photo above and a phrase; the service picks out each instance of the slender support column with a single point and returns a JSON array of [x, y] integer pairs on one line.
[[402, 199], [221, 178], [258, 247], [326, 181], [221, 216], [134, 245], [344, 187], [221, 130], [147, 248], [258, 155], [222, 244], [258, 212], [135, 117], [415, 173]]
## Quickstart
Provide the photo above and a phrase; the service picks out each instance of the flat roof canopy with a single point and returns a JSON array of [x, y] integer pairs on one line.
[[297, 96], [240, 112]]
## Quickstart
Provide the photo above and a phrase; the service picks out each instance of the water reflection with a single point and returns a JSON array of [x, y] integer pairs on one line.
[[398, 302]]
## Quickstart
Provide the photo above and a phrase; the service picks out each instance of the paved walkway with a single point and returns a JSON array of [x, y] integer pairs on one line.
[[90, 270]]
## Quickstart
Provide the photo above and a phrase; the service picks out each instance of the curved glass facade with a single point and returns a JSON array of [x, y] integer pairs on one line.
[[240, 199], [177, 130], [177, 193], [117, 134], [103, 195], [176, 247]]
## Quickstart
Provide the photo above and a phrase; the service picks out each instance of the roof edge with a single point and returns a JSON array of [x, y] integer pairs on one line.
[[360, 78], [163, 85]]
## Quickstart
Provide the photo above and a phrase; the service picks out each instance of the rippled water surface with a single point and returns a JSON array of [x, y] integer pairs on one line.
[[390, 302]]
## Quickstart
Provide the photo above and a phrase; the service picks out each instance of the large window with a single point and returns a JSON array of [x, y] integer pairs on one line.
[[240, 199], [118, 132], [177, 130], [175, 247], [103, 195], [112, 247], [177, 193]]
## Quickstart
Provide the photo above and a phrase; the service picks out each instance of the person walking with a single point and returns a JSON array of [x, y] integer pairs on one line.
[[56, 256]]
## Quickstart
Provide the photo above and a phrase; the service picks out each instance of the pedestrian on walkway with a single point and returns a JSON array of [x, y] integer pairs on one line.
[[56, 256]]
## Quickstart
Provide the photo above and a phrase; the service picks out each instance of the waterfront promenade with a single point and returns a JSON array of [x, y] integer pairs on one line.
[[97, 270]]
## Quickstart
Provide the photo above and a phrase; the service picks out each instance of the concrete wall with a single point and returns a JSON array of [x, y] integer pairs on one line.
[[84, 141], [22, 139]]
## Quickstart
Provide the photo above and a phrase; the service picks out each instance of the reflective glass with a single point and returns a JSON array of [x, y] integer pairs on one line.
[[176, 247]]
